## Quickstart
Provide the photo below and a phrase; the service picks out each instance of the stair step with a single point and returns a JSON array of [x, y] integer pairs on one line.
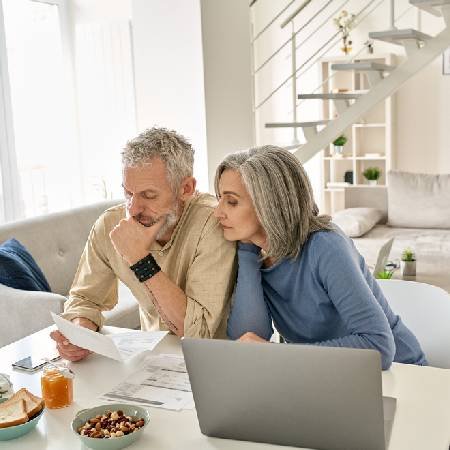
[[330, 96], [363, 67], [430, 6], [296, 124], [398, 36]]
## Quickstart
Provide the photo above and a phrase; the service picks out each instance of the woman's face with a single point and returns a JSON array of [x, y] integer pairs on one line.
[[236, 212]]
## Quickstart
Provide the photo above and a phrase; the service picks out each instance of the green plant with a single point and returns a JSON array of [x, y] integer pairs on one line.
[[385, 275], [372, 173], [340, 141], [408, 255]]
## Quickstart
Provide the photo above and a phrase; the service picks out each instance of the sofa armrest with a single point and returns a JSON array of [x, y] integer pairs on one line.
[[24, 312]]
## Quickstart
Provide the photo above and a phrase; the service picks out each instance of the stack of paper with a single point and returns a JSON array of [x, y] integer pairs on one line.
[[162, 382]]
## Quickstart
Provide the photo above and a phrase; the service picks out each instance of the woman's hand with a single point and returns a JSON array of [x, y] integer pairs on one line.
[[251, 337]]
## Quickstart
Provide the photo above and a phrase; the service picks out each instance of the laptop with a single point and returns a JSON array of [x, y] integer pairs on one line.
[[288, 394], [383, 256]]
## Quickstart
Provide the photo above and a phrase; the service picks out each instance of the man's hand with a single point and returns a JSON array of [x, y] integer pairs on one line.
[[65, 348], [133, 240], [251, 337]]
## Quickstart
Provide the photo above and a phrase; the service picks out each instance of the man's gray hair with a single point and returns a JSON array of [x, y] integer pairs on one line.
[[172, 148], [282, 196]]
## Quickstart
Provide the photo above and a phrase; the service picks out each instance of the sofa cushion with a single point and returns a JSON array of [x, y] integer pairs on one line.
[[19, 270], [355, 222], [418, 200]]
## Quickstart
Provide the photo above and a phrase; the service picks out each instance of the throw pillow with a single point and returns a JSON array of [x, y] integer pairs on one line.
[[19, 270], [418, 200], [355, 222]]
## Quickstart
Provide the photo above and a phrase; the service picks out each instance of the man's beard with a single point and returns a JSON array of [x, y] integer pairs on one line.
[[170, 219]]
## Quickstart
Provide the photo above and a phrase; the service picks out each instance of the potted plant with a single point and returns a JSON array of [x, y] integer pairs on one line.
[[338, 144], [408, 263], [372, 174], [384, 274]]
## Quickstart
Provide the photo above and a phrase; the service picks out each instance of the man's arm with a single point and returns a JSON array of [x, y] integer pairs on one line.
[[94, 289], [199, 310]]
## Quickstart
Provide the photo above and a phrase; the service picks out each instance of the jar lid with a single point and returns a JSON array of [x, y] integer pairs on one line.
[[60, 367]]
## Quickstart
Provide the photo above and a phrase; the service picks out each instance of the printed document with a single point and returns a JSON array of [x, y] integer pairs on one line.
[[162, 382], [120, 346]]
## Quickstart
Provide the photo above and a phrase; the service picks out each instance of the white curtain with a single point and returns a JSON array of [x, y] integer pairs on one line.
[[11, 202]]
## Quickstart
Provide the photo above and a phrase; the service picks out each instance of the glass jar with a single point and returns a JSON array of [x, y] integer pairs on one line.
[[57, 386]]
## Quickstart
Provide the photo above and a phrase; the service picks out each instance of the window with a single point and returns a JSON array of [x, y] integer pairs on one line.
[[72, 111], [43, 116]]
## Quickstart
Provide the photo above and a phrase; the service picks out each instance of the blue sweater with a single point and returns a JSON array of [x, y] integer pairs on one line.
[[326, 296]]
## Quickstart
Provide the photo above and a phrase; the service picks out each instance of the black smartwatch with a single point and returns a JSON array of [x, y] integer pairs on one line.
[[145, 268]]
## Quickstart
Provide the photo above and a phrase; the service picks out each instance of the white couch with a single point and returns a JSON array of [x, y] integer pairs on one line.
[[56, 242], [416, 212]]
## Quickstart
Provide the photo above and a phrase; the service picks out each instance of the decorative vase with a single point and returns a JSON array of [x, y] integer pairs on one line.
[[372, 182], [338, 151], [346, 45], [408, 269]]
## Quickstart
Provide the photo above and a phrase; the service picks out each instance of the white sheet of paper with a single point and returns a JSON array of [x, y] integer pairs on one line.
[[120, 346], [162, 382]]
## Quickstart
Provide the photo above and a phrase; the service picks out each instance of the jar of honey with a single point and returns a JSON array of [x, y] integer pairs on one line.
[[57, 386]]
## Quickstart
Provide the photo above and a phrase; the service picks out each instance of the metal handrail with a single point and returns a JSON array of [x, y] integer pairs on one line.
[[272, 21], [321, 48], [298, 31], [295, 13]]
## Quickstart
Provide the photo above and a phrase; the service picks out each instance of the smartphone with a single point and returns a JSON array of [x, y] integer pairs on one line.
[[33, 364]]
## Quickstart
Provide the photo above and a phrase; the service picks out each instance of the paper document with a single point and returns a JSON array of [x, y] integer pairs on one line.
[[119, 346], [162, 382]]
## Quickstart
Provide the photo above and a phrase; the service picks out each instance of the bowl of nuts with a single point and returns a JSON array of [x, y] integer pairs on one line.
[[110, 427]]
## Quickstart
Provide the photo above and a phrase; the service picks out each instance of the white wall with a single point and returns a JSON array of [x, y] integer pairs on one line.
[[192, 74], [169, 72], [228, 81]]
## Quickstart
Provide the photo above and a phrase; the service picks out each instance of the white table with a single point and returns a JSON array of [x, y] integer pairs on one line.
[[422, 420]]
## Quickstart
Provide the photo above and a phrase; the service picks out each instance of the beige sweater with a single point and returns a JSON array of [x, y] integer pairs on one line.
[[197, 259]]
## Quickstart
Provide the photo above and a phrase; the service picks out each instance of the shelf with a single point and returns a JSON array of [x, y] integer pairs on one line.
[[343, 158], [358, 158], [368, 125], [366, 186], [370, 158]]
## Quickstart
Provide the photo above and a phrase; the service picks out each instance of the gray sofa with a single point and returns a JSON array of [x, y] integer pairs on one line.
[[56, 242], [416, 212]]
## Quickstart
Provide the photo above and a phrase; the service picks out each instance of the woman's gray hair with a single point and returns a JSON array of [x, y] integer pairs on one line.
[[171, 147], [282, 196]]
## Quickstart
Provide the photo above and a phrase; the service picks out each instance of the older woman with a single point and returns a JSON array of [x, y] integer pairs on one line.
[[297, 270]]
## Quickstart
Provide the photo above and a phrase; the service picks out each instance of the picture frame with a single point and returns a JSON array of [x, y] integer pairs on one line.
[[446, 62]]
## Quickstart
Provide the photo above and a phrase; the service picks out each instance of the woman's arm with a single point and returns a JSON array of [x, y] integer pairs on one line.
[[248, 310], [338, 270]]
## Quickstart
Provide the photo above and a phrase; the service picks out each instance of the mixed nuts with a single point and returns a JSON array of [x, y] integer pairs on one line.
[[111, 424]]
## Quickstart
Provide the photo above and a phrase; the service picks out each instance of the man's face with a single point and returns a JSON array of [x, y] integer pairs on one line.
[[149, 195]]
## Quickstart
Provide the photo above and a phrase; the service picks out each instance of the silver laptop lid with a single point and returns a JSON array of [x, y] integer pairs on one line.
[[298, 395]]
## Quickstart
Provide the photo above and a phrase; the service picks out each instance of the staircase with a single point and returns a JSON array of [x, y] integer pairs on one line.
[[421, 49]]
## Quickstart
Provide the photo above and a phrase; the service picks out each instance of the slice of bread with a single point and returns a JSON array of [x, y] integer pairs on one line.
[[33, 404], [13, 413]]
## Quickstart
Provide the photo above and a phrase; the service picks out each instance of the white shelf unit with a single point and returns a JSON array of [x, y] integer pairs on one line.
[[370, 140]]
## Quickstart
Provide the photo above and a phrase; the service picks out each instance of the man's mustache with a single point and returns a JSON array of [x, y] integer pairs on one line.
[[146, 223]]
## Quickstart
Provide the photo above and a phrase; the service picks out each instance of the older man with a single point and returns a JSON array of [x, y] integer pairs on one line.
[[163, 243]]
